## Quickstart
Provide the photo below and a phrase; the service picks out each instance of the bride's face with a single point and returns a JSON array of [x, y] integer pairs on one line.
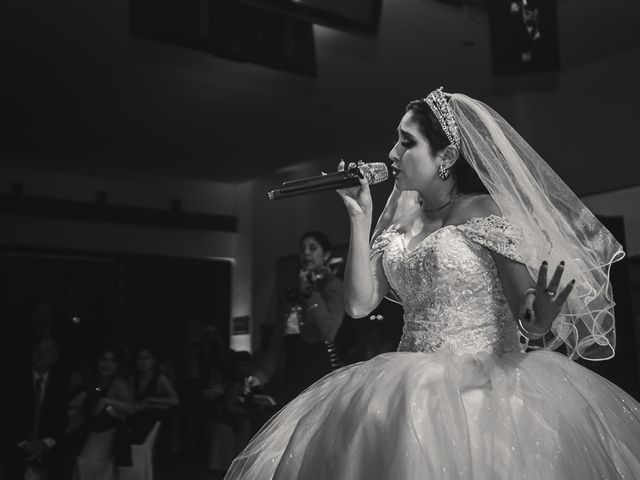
[[414, 164]]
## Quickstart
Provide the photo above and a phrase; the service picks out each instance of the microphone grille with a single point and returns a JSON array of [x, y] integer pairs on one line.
[[375, 172]]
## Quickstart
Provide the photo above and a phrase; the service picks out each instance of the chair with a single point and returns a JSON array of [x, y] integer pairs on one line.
[[95, 461], [34, 473], [221, 446], [142, 458], [93, 470]]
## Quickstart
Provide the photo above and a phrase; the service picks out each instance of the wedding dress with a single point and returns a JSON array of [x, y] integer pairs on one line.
[[460, 399]]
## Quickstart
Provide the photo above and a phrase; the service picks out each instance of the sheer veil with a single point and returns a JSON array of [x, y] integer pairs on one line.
[[555, 225]]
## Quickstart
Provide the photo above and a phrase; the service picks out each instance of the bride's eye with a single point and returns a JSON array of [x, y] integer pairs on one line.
[[407, 143]]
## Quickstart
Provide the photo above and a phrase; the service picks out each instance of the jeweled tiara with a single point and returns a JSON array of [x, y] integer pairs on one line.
[[440, 108]]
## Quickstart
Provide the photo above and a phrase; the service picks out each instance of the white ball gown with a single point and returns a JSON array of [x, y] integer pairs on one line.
[[459, 400]]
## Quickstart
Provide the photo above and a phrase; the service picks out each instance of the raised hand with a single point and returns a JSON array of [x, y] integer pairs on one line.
[[542, 304], [356, 199], [305, 280]]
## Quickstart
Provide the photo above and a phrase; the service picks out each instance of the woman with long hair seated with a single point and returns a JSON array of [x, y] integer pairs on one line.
[[153, 393]]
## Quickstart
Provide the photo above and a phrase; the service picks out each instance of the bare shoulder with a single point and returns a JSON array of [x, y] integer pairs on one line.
[[481, 205]]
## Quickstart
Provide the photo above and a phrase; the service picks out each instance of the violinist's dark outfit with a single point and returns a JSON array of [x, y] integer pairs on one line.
[[311, 318]]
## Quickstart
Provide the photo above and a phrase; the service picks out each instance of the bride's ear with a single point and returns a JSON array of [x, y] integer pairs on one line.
[[449, 155]]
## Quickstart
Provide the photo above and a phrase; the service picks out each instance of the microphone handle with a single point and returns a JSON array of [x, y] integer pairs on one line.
[[344, 175], [306, 185]]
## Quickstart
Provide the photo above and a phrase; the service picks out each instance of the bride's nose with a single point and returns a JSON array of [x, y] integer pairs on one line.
[[393, 154]]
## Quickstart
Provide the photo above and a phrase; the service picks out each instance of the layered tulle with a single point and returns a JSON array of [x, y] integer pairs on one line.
[[439, 416]]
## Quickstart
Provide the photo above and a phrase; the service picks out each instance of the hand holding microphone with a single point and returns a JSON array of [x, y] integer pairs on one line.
[[358, 200]]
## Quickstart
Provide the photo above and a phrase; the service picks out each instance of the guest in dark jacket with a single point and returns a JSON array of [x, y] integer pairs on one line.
[[311, 310], [34, 415]]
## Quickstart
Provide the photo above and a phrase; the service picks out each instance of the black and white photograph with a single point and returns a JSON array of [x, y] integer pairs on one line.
[[319, 240]]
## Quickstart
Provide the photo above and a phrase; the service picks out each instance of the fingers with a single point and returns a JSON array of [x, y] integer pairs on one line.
[[541, 285], [351, 166], [564, 294], [364, 184], [526, 308], [554, 284]]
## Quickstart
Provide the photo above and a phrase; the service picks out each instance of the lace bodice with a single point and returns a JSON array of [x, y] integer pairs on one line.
[[449, 286]]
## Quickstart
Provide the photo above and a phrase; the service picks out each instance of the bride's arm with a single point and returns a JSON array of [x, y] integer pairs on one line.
[[364, 281], [515, 281]]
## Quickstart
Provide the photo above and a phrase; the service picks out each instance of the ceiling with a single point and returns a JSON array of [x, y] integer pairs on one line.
[[80, 94]]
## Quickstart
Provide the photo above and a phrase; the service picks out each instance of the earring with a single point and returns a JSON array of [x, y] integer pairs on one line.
[[443, 172]]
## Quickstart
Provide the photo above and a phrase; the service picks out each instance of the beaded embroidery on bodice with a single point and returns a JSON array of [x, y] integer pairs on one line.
[[449, 286]]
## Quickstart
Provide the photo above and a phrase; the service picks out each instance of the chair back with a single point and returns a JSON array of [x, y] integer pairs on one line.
[[141, 455], [150, 441]]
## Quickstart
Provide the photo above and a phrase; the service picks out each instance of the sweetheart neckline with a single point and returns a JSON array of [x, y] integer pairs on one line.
[[419, 244], [469, 221]]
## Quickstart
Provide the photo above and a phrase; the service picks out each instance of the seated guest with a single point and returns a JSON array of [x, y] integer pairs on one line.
[[34, 415], [153, 393], [106, 403]]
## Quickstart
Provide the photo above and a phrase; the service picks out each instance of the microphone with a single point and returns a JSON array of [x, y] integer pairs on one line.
[[375, 172]]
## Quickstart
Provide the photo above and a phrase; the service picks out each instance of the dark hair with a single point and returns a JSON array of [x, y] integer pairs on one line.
[[242, 356], [145, 348], [36, 343], [466, 177], [135, 373], [238, 357], [115, 350], [319, 237]]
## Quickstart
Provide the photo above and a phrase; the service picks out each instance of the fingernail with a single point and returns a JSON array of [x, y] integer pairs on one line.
[[527, 314], [544, 263], [573, 282], [562, 263]]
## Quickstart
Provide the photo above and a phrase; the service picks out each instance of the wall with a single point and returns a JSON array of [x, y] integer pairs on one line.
[[150, 192], [623, 202]]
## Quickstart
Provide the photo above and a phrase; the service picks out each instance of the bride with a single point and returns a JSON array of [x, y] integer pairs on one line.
[[476, 390]]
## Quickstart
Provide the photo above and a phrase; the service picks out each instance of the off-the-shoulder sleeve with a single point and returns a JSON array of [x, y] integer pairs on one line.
[[381, 241], [497, 234]]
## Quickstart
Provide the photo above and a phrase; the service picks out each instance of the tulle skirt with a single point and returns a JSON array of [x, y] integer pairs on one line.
[[444, 416]]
